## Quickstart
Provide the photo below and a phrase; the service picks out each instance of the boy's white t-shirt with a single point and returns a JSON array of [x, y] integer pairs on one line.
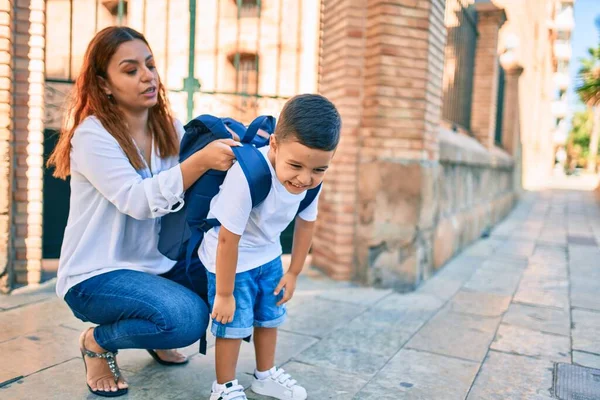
[[260, 228]]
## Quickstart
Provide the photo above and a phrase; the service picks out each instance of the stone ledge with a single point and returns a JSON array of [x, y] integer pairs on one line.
[[457, 148]]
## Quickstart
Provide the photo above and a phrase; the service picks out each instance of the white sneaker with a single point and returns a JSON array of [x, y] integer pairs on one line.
[[232, 391], [280, 386]]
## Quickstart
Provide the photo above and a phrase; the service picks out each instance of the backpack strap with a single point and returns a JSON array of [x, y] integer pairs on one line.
[[256, 170], [257, 174], [309, 198], [264, 122]]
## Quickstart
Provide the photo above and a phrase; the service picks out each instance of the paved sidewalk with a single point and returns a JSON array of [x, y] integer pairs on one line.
[[492, 324]]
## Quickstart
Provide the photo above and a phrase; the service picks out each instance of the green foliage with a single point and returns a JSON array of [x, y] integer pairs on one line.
[[579, 138], [588, 78]]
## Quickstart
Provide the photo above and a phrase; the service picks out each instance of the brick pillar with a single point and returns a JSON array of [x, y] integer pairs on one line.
[[388, 204], [511, 122], [6, 149], [29, 138], [485, 82], [342, 81]]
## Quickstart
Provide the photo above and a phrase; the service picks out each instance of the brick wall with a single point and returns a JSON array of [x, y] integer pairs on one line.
[[29, 45], [342, 76], [6, 149], [382, 64]]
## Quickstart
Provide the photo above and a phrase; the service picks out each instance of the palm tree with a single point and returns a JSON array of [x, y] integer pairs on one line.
[[588, 90]]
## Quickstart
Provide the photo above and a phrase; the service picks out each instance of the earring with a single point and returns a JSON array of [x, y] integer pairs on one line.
[[110, 97]]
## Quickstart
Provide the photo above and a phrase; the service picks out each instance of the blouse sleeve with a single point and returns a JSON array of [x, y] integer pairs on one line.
[[97, 156]]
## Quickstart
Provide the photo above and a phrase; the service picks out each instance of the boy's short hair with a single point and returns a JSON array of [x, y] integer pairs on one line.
[[312, 120]]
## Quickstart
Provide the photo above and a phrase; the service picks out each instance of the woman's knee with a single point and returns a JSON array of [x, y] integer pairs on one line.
[[185, 319]]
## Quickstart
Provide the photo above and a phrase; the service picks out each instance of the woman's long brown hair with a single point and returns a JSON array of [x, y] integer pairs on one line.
[[88, 99]]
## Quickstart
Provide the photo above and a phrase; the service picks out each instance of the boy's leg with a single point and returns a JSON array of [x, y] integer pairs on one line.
[[265, 342], [229, 336], [270, 380], [267, 314], [227, 352]]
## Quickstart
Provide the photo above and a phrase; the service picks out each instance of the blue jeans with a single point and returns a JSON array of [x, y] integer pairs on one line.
[[142, 311], [255, 303]]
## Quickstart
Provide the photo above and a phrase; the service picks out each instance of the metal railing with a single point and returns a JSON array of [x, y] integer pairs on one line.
[[459, 63], [70, 45]]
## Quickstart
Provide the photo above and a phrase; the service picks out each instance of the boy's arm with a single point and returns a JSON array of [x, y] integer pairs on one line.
[[232, 209], [303, 234], [226, 265]]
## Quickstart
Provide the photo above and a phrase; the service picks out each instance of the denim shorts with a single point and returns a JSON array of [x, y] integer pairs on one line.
[[255, 303]]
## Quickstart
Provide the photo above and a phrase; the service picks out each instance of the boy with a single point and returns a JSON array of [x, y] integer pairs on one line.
[[247, 289]]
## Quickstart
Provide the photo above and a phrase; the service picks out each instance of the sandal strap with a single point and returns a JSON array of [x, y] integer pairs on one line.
[[109, 356]]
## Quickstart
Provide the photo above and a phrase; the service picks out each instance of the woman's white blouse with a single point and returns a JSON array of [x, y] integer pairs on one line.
[[114, 210]]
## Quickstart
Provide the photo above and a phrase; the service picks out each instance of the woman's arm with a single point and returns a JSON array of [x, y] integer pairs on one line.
[[98, 157]]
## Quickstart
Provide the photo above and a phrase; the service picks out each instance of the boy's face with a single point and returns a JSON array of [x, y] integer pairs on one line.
[[298, 168]]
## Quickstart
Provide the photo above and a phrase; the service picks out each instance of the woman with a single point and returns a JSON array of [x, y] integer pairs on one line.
[[121, 151]]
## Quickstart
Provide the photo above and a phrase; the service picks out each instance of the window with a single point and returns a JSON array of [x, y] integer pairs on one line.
[[113, 6], [248, 8], [245, 70]]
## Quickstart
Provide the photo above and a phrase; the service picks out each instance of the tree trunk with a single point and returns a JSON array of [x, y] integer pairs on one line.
[[591, 164]]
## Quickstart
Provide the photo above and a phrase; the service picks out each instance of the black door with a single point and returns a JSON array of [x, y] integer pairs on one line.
[[55, 203]]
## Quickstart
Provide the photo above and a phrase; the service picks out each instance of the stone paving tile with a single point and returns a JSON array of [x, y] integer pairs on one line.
[[504, 262], [541, 319], [33, 317], [494, 282], [586, 359], [585, 293], [414, 374], [478, 303], [527, 342], [192, 381], [584, 272], [512, 377], [318, 383], [522, 248], [543, 272], [483, 247], [460, 268], [63, 381], [446, 282], [37, 350], [289, 345], [19, 300], [366, 344], [583, 256], [415, 302], [557, 297], [317, 317], [586, 331], [457, 335], [356, 295]]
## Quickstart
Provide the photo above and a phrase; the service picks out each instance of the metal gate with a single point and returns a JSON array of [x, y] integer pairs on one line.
[[239, 58]]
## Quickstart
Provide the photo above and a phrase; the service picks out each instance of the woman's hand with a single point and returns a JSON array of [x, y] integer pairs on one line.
[[218, 154]]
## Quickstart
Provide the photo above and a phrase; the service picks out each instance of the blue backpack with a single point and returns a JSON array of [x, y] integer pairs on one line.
[[181, 232]]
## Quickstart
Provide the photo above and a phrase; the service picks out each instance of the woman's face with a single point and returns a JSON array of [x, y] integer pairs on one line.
[[132, 77]]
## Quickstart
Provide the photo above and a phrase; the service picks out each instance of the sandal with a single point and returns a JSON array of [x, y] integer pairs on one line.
[[109, 356], [163, 362]]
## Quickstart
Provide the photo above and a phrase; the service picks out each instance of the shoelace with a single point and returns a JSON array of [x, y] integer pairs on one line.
[[283, 378], [234, 392]]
